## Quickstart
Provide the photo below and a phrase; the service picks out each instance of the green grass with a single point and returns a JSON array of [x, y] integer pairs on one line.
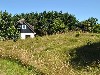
[[11, 68], [52, 55]]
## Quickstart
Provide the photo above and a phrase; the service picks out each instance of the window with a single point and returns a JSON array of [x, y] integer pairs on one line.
[[23, 26]]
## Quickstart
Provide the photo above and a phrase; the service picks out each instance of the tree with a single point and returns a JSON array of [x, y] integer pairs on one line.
[[88, 25], [96, 28], [58, 26], [7, 29], [70, 21]]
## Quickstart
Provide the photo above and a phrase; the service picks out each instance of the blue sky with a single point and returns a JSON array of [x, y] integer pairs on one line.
[[82, 9]]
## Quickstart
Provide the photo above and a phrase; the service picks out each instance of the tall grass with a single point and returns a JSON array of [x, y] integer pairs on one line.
[[50, 54]]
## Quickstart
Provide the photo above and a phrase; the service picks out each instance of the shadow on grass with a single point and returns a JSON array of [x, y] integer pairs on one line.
[[88, 55]]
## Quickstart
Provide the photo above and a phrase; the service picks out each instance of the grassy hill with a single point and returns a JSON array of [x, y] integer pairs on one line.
[[61, 54]]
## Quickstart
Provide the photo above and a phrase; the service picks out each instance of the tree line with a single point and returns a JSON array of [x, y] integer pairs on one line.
[[46, 23]]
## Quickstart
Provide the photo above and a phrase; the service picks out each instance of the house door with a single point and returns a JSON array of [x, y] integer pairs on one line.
[[27, 36]]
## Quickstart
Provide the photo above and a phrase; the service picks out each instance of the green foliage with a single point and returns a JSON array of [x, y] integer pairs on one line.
[[89, 24], [7, 29], [96, 28], [58, 26]]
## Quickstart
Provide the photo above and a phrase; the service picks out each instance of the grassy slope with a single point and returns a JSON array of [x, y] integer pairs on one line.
[[48, 54]]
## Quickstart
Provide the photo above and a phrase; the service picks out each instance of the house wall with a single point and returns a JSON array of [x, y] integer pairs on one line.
[[23, 35]]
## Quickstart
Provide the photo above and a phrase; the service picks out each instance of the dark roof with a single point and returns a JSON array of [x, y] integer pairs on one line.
[[22, 21]]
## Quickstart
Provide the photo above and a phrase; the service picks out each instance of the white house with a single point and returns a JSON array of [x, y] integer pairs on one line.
[[26, 30]]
